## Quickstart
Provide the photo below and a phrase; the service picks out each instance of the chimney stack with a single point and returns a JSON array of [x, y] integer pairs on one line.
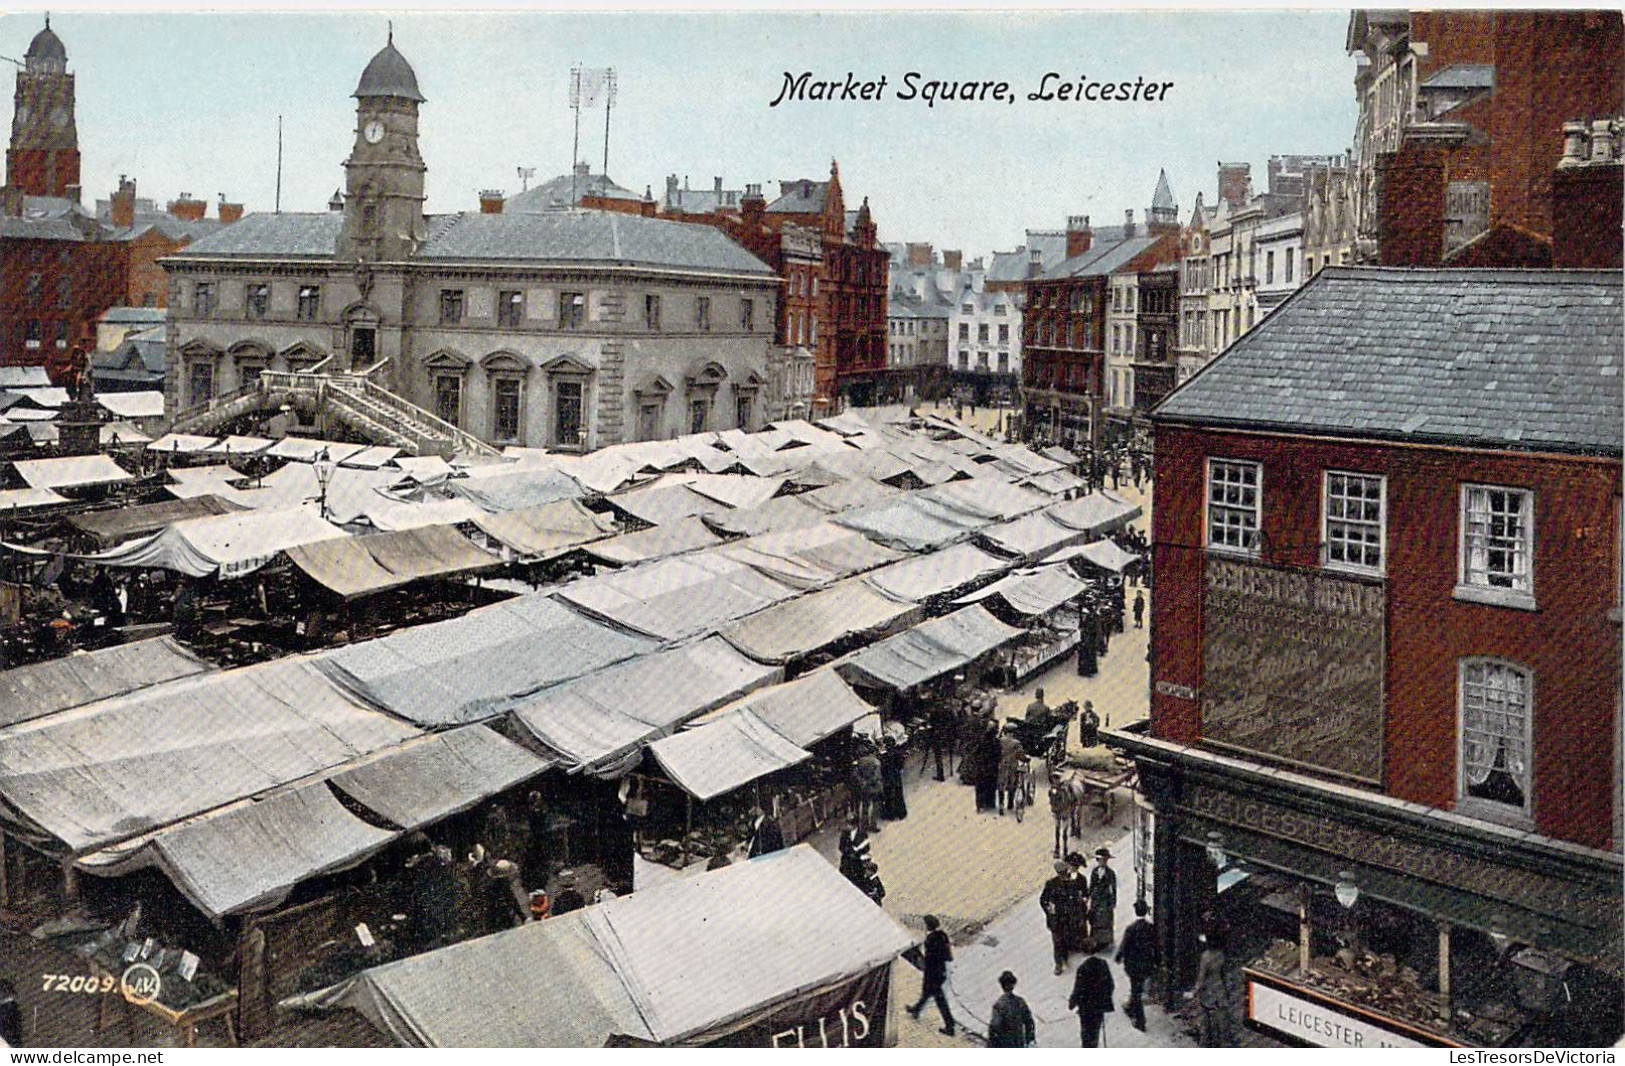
[[583, 170], [124, 202], [229, 212], [1128, 222], [717, 188], [491, 201], [1235, 183], [647, 207], [1035, 262], [1588, 197], [1078, 235], [953, 260], [752, 206], [185, 208]]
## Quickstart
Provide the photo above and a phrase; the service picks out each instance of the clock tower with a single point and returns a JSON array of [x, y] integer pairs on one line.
[[383, 200], [43, 159]]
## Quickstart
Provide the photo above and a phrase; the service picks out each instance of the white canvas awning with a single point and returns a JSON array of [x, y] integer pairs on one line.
[[815, 705], [1054, 483], [44, 688], [663, 504], [912, 523], [987, 499], [928, 651], [737, 490], [392, 516], [229, 545], [1032, 592], [73, 471], [235, 445], [657, 542], [595, 722], [679, 597], [937, 574], [546, 531], [182, 443], [146, 404], [359, 566], [305, 449], [1031, 537], [430, 778], [813, 557], [1096, 514], [26, 499], [775, 516], [1102, 553], [723, 755], [371, 458], [804, 625]]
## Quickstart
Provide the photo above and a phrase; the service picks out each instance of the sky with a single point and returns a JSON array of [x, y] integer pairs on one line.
[[189, 103]]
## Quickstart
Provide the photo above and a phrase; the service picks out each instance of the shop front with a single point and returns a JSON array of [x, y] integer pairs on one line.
[[1358, 920]]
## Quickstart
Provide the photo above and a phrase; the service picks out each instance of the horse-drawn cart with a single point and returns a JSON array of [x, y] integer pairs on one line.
[[1091, 786]]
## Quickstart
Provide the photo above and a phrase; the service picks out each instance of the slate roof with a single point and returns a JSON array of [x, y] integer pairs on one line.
[[291, 234], [1164, 196], [1103, 257], [1518, 359], [389, 74], [46, 45], [800, 197], [588, 236], [555, 193], [1462, 76]]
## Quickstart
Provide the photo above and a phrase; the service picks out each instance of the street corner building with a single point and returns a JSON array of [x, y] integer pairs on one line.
[[567, 329], [1383, 745]]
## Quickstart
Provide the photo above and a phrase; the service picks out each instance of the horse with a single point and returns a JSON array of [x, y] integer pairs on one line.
[[1068, 794]]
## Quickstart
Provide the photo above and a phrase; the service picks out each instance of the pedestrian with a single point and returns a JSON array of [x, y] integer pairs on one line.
[[1037, 710], [1063, 912], [893, 756], [766, 836], [568, 898], [938, 954], [1139, 609], [1138, 956], [535, 857], [1011, 754], [973, 724], [941, 724], [1102, 899], [867, 786], [434, 891], [1079, 940], [1011, 1024], [1215, 992], [989, 752], [872, 886], [504, 901], [1092, 992], [854, 845], [1088, 726]]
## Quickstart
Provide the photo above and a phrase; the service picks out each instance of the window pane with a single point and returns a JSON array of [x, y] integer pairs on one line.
[[1495, 733]]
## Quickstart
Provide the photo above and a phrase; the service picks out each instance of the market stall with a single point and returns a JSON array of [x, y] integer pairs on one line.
[[1046, 599]]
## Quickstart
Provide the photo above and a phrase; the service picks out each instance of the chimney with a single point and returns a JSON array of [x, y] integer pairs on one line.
[[671, 187], [124, 203], [1128, 222], [229, 212], [1235, 183], [185, 208], [491, 201], [1035, 263], [1078, 235], [953, 260], [1588, 191], [717, 188], [806, 188], [752, 206], [583, 170], [337, 202], [647, 207], [920, 255], [72, 192]]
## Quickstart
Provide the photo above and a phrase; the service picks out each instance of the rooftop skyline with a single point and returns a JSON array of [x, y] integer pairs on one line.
[[189, 103]]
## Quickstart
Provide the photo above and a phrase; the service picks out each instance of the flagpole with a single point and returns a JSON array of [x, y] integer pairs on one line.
[[609, 105], [575, 146]]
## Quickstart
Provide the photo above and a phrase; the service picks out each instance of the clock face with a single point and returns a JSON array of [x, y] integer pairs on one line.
[[374, 131]]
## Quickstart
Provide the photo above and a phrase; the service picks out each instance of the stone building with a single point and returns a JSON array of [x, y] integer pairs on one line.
[[568, 329]]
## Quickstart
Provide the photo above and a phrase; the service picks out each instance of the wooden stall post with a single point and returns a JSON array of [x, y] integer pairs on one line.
[[5, 871], [1303, 929], [1444, 969], [688, 824]]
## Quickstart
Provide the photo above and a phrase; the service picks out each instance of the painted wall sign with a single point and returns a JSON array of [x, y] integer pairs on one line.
[[1307, 1019], [1293, 665], [1466, 212]]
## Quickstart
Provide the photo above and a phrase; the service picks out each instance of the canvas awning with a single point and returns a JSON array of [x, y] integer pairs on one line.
[[1054, 483], [1096, 514], [371, 458], [737, 490], [687, 962], [679, 597], [986, 499], [775, 516], [39, 689], [305, 449], [470, 668], [656, 542], [359, 566], [723, 755], [928, 651], [121, 523], [937, 574], [145, 404], [392, 516], [181, 443], [133, 763], [69, 472], [517, 488], [235, 445], [26, 499], [120, 434], [816, 705], [596, 721], [912, 523], [1032, 592], [546, 531], [812, 557], [251, 855], [430, 778], [229, 545], [662, 504], [1031, 537], [1057, 454], [1102, 553], [804, 625]]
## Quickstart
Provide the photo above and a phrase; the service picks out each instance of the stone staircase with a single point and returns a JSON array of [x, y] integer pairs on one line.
[[366, 407]]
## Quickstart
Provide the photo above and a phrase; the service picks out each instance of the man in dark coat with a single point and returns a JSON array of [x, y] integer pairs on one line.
[[1088, 726], [504, 902], [867, 787], [988, 753], [1064, 912], [1011, 1024], [1138, 956], [766, 836], [854, 851], [942, 725], [569, 898], [938, 954], [1102, 899], [1092, 998], [1139, 609]]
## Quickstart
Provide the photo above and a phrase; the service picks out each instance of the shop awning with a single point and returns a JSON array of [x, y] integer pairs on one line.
[[684, 963], [26, 499], [39, 689], [134, 763], [679, 597], [1096, 514], [775, 516], [928, 651], [815, 705], [656, 542], [937, 574], [1032, 592], [1102, 553], [813, 557], [546, 531], [70, 472], [433, 777], [806, 624], [477, 666], [392, 516], [663, 504], [720, 756], [121, 523], [251, 855], [359, 566], [596, 721], [517, 488], [181, 443], [229, 545], [1032, 537]]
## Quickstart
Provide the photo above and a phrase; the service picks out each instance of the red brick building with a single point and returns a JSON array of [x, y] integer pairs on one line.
[[1063, 340], [1385, 652], [1459, 115]]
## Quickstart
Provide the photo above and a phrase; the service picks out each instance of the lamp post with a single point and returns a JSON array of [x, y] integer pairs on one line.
[[324, 476], [1348, 893]]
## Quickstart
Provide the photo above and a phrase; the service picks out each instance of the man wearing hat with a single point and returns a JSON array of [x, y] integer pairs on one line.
[[506, 904], [1138, 955], [1011, 1024], [1064, 912], [1102, 899], [568, 898]]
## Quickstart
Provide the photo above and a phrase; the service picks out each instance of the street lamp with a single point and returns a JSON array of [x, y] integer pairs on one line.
[[1215, 850], [324, 476], [1348, 893]]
